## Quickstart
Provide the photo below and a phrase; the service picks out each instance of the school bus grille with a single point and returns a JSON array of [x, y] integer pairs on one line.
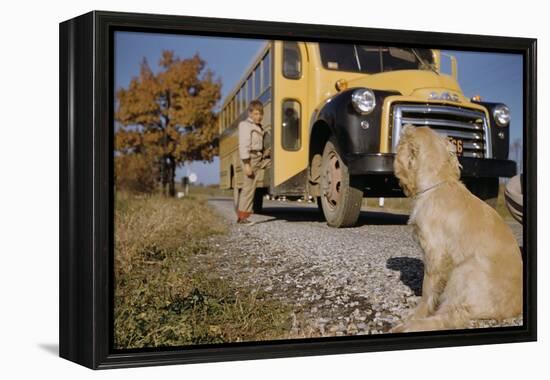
[[468, 126]]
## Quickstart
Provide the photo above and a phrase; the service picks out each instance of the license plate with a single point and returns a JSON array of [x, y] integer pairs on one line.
[[459, 145]]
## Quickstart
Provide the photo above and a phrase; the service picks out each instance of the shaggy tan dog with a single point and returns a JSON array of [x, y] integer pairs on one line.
[[473, 266]]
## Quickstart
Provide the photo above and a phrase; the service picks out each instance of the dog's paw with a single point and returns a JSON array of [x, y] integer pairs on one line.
[[399, 328]]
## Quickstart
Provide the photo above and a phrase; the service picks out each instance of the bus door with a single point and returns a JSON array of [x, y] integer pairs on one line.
[[289, 127]]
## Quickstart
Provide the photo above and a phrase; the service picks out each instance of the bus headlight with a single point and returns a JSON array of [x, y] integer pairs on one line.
[[502, 115], [363, 100]]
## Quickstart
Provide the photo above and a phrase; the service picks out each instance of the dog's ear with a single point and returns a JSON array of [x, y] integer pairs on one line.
[[407, 131], [451, 148], [453, 160], [407, 136], [406, 161], [413, 154], [408, 142]]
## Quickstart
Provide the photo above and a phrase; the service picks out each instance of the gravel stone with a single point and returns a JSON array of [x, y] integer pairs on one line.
[[360, 280]]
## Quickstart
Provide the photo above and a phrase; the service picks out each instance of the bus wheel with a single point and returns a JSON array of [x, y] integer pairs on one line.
[[319, 205], [341, 203], [258, 202]]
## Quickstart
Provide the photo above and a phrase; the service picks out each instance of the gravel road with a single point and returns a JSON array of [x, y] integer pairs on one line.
[[359, 280]]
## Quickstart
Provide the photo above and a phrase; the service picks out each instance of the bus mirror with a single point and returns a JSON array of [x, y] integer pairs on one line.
[[454, 67]]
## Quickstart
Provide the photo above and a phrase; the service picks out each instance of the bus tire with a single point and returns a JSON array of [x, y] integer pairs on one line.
[[340, 202], [319, 205]]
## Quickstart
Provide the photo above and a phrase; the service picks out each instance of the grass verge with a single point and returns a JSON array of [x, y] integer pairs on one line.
[[159, 299]]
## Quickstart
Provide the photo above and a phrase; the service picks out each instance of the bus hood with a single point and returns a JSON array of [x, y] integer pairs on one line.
[[408, 82]]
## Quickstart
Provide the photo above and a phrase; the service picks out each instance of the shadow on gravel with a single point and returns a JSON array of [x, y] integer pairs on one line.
[[310, 213], [381, 218], [294, 214], [303, 214], [412, 272]]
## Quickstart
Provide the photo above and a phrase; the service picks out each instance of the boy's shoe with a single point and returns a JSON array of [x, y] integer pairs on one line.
[[245, 222]]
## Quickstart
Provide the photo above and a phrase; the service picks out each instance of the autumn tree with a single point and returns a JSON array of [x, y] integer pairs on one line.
[[167, 118]]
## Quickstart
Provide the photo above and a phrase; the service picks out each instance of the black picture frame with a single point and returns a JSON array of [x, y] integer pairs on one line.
[[86, 191]]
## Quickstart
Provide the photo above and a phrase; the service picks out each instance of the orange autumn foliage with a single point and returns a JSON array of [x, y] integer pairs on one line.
[[167, 118]]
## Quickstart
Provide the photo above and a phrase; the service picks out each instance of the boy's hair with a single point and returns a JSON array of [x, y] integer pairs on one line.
[[256, 105]]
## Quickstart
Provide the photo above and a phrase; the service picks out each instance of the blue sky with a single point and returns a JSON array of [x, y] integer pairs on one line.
[[496, 77]]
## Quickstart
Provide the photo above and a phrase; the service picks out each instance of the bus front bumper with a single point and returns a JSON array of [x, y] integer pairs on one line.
[[382, 163]]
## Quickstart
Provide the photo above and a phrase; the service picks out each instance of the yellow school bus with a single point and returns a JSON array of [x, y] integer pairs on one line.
[[334, 113]]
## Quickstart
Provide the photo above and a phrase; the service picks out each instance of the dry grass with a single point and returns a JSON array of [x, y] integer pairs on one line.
[[159, 299], [207, 190]]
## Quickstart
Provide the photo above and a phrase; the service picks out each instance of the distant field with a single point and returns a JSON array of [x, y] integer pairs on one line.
[[209, 190], [404, 204]]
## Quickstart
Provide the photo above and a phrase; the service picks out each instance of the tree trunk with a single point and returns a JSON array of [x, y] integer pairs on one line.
[[165, 176], [172, 176]]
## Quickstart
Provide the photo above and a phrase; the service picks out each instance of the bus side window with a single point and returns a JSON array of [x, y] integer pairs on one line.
[[292, 60], [266, 66], [250, 89], [257, 82], [291, 125], [243, 98]]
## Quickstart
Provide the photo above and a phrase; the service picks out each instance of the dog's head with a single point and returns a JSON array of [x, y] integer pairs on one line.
[[423, 159]]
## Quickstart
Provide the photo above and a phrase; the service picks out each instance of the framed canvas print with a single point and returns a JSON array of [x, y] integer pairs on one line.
[[237, 189]]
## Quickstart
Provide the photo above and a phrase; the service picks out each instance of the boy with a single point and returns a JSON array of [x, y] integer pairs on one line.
[[253, 158]]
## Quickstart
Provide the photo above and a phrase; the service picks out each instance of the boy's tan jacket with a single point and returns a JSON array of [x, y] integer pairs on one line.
[[251, 138]]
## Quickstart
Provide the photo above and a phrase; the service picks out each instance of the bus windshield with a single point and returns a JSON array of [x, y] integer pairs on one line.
[[374, 59]]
